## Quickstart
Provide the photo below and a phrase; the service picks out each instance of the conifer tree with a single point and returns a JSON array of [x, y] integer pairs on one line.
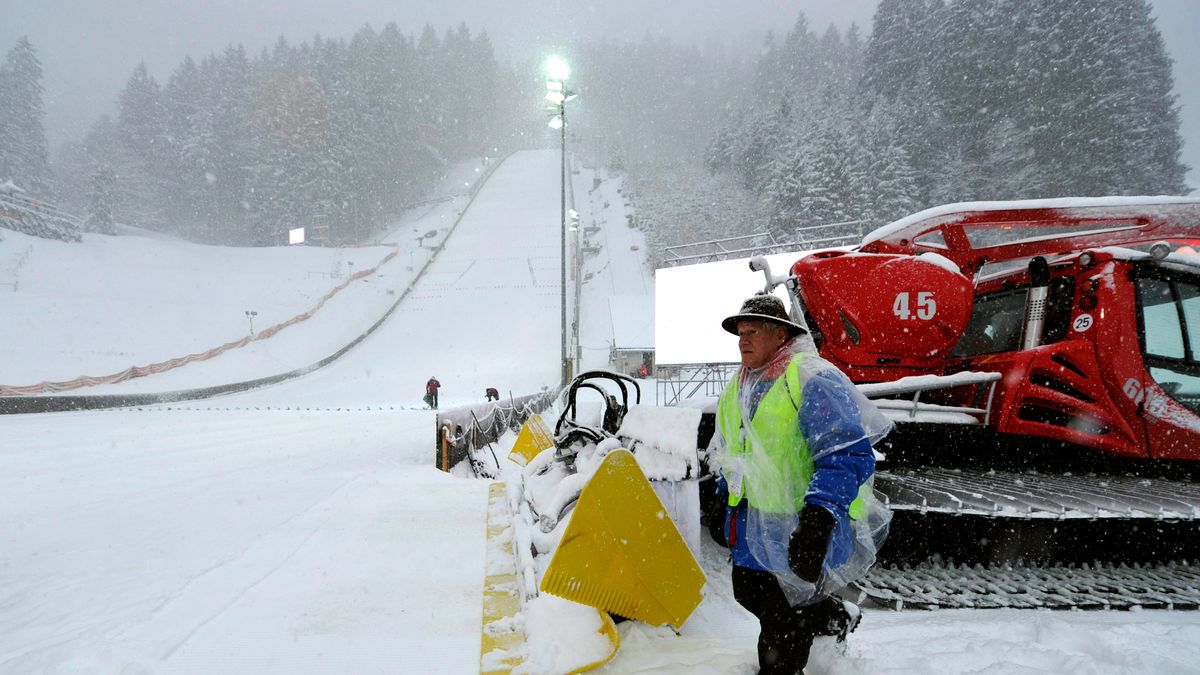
[[23, 151], [900, 52], [187, 165], [1081, 96], [103, 195], [140, 158], [232, 145]]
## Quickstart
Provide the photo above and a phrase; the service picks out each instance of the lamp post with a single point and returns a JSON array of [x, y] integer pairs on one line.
[[250, 314], [576, 274], [557, 96]]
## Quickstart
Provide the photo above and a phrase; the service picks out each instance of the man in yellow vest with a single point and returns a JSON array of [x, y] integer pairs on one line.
[[796, 462]]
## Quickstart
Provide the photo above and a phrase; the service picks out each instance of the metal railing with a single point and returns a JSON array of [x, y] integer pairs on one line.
[[29, 215], [724, 249], [842, 233], [887, 396], [851, 233], [675, 383]]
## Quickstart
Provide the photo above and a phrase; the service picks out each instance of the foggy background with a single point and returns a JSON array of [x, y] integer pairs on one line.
[[790, 123], [88, 48]]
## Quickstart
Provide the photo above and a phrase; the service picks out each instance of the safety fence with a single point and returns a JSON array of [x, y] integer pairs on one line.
[[461, 432], [30, 215], [170, 364]]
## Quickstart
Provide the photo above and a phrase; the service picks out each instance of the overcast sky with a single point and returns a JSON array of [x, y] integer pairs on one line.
[[88, 48]]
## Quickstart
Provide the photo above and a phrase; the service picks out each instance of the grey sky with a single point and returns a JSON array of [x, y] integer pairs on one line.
[[89, 48]]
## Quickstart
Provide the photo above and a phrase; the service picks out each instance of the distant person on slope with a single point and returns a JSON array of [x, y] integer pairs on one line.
[[492, 394], [431, 392], [795, 504]]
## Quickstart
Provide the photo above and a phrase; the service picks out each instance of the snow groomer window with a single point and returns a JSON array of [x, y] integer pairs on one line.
[[995, 324], [1170, 312]]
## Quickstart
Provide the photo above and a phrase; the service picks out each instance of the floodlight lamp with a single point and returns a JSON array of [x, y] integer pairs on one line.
[[554, 85], [556, 123], [554, 97], [557, 68]]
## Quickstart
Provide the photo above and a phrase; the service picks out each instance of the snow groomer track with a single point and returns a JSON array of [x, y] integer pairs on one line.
[[1039, 495], [1063, 524], [1172, 586]]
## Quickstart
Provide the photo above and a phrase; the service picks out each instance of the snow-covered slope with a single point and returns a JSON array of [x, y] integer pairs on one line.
[[270, 532], [102, 306]]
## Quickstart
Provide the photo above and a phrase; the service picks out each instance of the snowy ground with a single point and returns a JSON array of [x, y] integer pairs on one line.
[[270, 532]]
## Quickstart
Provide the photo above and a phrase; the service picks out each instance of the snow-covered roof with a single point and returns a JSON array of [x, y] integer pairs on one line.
[[1060, 203], [632, 321]]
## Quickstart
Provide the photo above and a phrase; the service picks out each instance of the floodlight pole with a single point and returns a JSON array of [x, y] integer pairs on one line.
[[562, 113], [558, 95]]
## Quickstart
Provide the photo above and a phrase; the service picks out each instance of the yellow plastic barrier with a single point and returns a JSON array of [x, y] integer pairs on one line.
[[502, 647], [535, 437], [622, 553], [503, 642], [609, 630]]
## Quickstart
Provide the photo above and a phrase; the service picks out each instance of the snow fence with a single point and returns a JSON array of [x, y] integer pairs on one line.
[[461, 432]]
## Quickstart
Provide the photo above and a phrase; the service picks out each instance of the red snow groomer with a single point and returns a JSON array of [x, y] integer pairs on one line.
[[1042, 361]]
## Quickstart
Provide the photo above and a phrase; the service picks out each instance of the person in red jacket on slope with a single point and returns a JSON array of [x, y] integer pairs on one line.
[[431, 392]]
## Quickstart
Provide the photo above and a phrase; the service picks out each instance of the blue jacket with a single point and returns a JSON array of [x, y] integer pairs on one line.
[[828, 417]]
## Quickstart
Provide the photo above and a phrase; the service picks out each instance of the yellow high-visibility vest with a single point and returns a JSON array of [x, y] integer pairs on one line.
[[776, 425]]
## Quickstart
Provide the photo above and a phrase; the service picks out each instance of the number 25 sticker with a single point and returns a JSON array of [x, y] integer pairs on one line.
[[925, 310], [1082, 323]]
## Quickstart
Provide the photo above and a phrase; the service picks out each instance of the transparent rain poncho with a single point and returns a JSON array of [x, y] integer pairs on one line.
[[846, 417]]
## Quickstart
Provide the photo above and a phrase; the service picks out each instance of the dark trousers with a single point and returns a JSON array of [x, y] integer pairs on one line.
[[785, 633]]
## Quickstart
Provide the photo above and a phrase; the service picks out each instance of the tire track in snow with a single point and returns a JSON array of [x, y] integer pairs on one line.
[[263, 553]]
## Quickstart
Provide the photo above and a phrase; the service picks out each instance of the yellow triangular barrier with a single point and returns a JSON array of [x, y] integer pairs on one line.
[[622, 553], [609, 630], [535, 437]]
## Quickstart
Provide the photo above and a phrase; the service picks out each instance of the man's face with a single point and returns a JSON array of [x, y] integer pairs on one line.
[[758, 341]]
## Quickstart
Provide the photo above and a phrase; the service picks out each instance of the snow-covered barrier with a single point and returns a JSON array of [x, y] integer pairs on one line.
[[620, 553], [632, 552], [605, 519], [28, 215], [663, 440], [462, 432]]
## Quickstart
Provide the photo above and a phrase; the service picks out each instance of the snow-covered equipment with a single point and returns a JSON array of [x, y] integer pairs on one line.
[[665, 442], [608, 514], [1042, 361], [622, 554]]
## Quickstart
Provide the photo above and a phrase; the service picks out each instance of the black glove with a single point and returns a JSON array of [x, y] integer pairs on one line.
[[716, 518], [810, 540], [716, 527]]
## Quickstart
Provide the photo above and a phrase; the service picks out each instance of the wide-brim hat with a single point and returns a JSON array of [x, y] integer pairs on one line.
[[763, 307]]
